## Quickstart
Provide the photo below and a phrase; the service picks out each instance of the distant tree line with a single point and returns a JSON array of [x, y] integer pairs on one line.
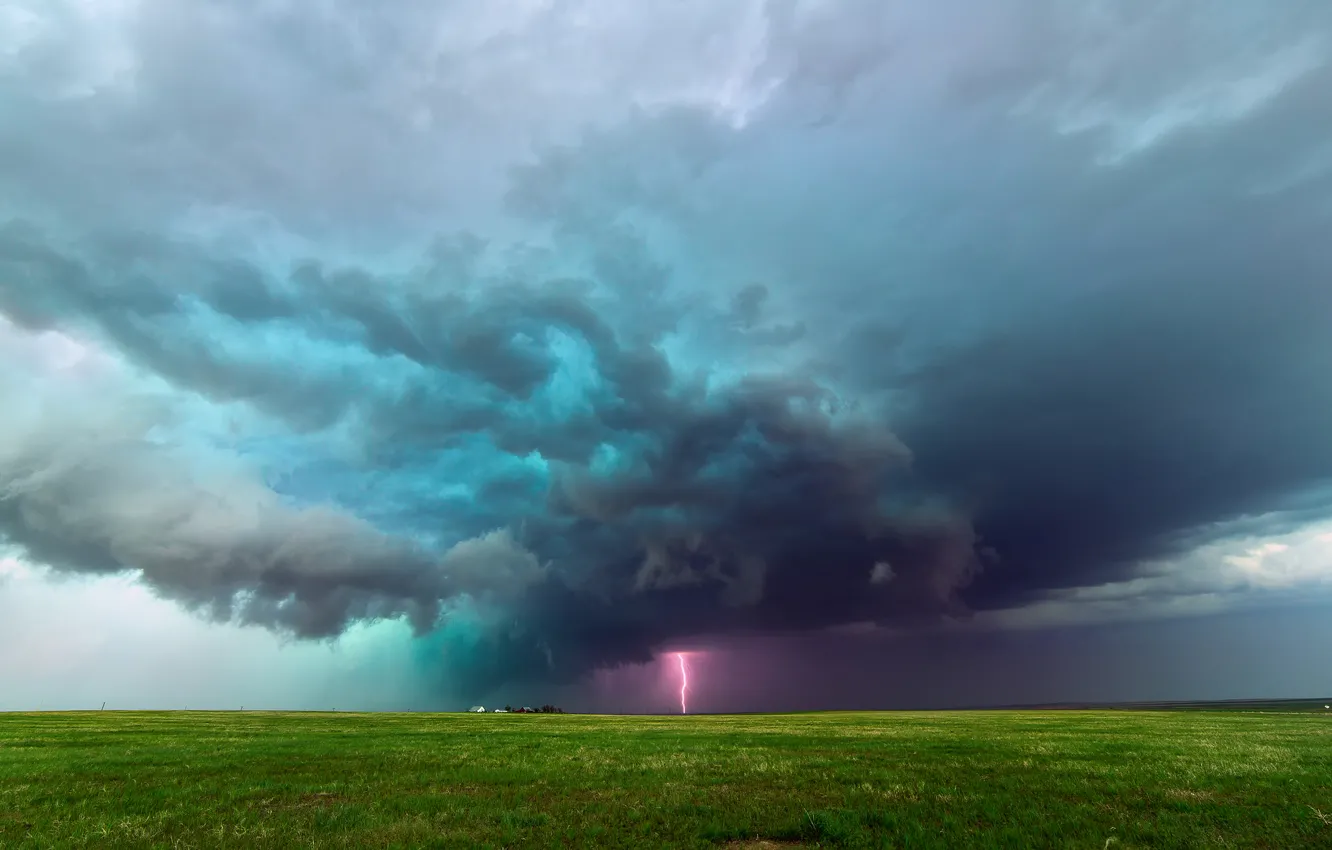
[[545, 709]]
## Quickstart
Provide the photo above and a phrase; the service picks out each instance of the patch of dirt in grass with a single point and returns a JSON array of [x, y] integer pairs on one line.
[[468, 790], [313, 800], [1189, 794], [15, 819], [319, 799]]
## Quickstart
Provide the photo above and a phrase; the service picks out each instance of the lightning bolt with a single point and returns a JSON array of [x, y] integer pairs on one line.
[[684, 682]]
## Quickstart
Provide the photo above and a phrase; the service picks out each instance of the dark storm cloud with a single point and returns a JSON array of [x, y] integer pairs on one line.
[[1113, 353], [931, 315], [757, 506], [1172, 379]]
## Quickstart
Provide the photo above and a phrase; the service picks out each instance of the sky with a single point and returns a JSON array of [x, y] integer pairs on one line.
[[873, 354]]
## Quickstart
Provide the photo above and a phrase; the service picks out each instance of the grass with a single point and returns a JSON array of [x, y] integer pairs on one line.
[[1078, 779]]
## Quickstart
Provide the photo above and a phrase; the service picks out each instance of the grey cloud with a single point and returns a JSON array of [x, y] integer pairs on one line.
[[98, 495], [216, 106], [493, 564]]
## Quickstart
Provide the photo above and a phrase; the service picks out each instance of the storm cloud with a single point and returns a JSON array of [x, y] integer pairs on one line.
[[568, 336]]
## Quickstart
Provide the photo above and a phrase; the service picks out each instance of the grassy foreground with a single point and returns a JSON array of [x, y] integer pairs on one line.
[[1108, 779]]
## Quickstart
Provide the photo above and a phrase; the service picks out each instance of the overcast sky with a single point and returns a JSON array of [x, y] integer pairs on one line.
[[876, 353]]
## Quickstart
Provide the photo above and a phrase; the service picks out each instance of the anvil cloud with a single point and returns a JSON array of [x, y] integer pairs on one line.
[[570, 333]]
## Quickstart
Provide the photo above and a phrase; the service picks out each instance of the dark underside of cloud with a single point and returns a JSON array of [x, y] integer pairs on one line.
[[812, 371]]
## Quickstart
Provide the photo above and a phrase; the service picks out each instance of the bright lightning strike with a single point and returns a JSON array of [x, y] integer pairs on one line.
[[684, 682]]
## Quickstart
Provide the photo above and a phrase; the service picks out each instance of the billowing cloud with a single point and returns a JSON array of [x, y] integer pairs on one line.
[[568, 333]]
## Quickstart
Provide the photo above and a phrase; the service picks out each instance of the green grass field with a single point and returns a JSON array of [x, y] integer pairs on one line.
[[1095, 779]]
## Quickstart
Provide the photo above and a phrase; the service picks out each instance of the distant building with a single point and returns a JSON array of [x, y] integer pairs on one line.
[[500, 711], [479, 709]]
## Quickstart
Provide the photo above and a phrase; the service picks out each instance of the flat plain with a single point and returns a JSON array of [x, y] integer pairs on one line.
[[1021, 779]]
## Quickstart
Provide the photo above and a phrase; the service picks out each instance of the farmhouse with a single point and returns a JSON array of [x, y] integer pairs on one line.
[[479, 709]]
